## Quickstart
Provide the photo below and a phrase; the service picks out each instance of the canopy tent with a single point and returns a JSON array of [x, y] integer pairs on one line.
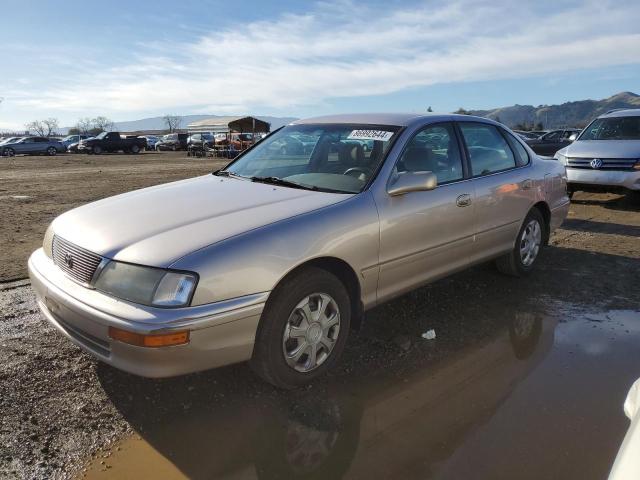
[[230, 124]]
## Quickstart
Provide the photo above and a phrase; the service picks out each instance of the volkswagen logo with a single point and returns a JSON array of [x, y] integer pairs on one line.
[[68, 260], [596, 163]]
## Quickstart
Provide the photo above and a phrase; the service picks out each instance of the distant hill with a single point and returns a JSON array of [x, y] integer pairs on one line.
[[157, 123], [570, 114]]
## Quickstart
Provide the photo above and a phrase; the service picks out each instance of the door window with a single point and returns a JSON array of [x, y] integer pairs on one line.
[[488, 149], [434, 149]]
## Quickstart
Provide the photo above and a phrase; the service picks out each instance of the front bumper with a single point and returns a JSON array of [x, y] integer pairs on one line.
[[221, 333], [629, 179]]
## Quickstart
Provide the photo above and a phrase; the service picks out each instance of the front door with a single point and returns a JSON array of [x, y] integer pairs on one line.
[[425, 235]]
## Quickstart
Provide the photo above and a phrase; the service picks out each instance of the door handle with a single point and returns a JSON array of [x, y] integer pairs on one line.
[[527, 184], [463, 200]]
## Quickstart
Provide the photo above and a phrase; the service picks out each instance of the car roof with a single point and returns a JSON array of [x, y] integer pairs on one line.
[[397, 119], [623, 112]]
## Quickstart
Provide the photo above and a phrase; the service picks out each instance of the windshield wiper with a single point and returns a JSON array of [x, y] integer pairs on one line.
[[283, 182], [227, 173]]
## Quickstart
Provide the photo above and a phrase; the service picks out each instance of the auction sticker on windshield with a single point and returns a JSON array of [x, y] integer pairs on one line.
[[370, 135]]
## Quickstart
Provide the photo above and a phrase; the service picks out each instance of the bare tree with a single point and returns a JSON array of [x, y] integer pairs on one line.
[[103, 124], [172, 122], [84, 125], [51, 124], [36, 127], [43, 128]]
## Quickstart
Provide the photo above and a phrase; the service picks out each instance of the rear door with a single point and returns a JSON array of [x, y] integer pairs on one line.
[[503, 185]]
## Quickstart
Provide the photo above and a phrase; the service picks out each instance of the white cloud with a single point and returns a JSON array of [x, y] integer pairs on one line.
[[344, 49]]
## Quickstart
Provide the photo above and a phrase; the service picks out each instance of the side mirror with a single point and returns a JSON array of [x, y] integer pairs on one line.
[[412, 182], [573, 137]]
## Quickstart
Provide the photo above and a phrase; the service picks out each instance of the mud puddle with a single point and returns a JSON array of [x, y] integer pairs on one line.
[[517, 394]]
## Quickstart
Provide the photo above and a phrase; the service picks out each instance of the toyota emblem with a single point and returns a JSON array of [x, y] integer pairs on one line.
[[68, 260], [596, 163]]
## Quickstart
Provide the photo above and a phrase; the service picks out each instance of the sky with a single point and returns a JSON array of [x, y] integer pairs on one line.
[[129, 60]]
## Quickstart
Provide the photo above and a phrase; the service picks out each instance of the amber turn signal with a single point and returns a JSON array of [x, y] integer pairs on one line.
[[139, 340]]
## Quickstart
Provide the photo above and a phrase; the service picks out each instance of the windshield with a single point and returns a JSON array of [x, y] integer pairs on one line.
[[333, 157], [616, 128], [101, 136]]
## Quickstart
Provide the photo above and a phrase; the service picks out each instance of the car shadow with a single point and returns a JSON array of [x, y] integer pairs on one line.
[[592, 226], [622, 202], [393, 400]]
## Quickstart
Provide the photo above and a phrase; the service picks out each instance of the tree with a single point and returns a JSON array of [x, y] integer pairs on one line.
[[103, 124], [43, 128], [84, 125], [172, 122], [74, 131], [462, 111], [429, 109]]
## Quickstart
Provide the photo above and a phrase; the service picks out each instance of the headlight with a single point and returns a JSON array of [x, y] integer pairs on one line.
[[561, 158], [147, 285]]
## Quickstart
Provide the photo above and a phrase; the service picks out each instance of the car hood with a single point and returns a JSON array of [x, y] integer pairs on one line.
[[603, 149], [158, 225]]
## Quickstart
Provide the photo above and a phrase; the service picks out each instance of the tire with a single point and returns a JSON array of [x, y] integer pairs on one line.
[[529, 242], [173, 148], [96, 150], [135, 149], [51, 151], [9, 152], [285, 328]]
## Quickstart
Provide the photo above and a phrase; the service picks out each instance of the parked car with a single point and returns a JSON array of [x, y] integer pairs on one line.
[[527, 135], [606, 155], [32, 146], [71, 139], [173, 141], [549, 143], [10, 140], [274, 259], [151, 141], [627, 463], [112, 142], [200, 139]]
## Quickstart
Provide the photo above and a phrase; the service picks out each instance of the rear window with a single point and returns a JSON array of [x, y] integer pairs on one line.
[[617, 128]]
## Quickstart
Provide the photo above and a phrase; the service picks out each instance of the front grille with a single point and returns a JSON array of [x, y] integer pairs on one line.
[[607, 163], [78, 263]]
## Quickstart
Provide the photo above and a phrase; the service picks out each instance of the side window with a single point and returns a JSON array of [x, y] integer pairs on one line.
[[488, 149], [433, 149], [522, 157]]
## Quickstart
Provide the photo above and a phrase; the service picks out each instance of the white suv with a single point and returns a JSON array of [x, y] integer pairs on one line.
[[606, 155]]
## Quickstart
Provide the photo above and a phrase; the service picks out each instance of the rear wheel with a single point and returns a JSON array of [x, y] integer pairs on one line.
[[135, 149], [303, 329], [530, 240], [51, 151]]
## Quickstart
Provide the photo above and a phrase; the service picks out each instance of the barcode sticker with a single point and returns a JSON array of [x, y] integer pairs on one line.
[[370, 135]]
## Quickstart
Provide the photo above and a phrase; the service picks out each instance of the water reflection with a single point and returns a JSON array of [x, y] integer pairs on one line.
[[396, 422]]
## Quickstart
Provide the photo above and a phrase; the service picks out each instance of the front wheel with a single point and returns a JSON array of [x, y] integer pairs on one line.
[[9, 152], [530, 240], [97, 150], [51, 151], [303, 329]]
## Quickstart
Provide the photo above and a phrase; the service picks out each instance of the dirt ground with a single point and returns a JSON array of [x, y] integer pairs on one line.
[[36, 189], [525, 379]]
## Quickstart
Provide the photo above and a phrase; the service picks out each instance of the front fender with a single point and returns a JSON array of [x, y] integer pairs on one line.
[[257, 260]]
